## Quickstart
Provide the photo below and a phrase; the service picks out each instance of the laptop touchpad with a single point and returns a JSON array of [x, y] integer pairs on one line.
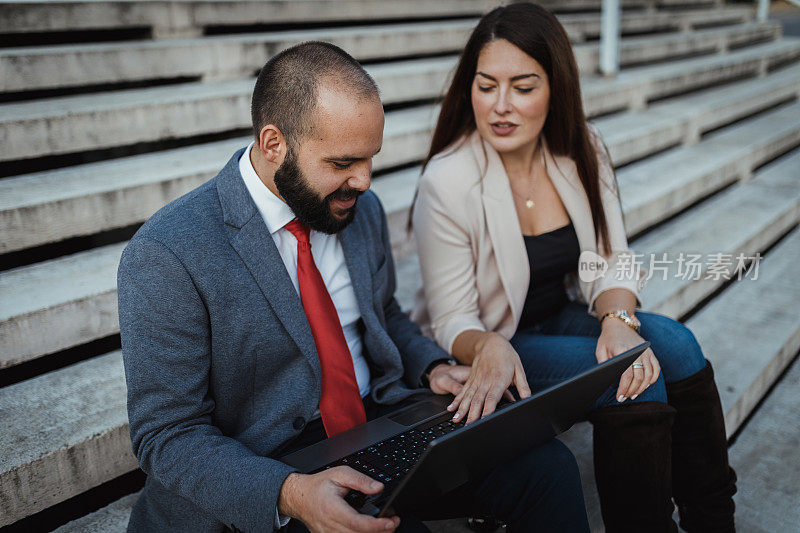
[[416, 413]]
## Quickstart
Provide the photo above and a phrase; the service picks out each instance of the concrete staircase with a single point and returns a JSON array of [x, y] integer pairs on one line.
[[109, 110]]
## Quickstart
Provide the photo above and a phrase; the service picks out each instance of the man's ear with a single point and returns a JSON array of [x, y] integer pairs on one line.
[[272, 144]]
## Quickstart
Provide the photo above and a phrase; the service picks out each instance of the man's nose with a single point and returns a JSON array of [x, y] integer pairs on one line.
[[360, 179]]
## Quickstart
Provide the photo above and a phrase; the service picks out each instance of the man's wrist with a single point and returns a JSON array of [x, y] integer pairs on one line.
[[288, 503], [425, 379]]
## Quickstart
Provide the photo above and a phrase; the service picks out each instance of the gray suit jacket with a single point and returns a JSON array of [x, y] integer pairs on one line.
[[221, 367]]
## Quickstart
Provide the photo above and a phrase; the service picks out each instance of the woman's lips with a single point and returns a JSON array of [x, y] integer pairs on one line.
[[503, 129]]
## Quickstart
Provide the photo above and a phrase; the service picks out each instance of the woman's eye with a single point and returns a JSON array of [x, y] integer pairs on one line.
[[524, 89], [485, 89]]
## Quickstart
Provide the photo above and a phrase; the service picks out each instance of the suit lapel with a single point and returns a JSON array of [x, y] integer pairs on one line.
[[250, 238], [503, 226], [355, 254]]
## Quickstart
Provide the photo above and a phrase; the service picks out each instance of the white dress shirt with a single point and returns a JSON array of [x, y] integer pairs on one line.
[[328, 256]]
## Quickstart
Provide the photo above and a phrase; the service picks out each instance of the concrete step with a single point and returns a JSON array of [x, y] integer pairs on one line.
[[636, 22], [767, 460], [64, 433], [638, 50], [664, 79], [213, 57], [118, 118], [631, 136], [112, 518], [37, 299], [762, 315], [397, 189], [239, 56], [177, 19], [50, 206], [58, 304], [180, 19], [745, 219], [664, 184], [53, 205]]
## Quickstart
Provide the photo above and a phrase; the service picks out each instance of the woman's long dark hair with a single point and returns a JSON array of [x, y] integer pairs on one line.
[[535, 31]]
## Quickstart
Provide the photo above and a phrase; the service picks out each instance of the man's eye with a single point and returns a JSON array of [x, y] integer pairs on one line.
[[341, 166]]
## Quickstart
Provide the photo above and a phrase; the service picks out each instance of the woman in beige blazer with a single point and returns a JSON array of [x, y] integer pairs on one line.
[[517, 192]]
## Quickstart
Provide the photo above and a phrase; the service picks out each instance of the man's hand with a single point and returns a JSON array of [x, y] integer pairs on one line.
[[494, 369], [446, 379], [317, 500]]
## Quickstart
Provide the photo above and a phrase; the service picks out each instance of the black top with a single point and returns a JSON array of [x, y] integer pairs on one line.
[[551, 256]]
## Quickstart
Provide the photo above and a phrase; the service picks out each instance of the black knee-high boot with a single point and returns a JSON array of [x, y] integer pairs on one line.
[[632, 466], [703, 481]]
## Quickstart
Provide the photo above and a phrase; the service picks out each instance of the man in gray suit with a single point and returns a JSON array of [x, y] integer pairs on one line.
[[240, 345]]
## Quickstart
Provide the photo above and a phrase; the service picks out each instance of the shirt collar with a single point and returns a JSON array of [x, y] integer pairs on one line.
[[274, 211]]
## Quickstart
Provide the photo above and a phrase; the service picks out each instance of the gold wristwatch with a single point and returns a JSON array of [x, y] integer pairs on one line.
[[623, 315]]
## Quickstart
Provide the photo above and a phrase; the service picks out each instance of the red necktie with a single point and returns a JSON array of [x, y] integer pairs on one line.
[[340, 404]]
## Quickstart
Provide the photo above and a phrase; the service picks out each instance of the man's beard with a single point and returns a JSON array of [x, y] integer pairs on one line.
[[307, 206]]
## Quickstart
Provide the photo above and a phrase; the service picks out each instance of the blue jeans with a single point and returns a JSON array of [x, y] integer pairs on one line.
[[564, 344]]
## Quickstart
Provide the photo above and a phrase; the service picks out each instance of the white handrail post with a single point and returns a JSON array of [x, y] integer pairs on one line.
[[609, 37], [763, 10]]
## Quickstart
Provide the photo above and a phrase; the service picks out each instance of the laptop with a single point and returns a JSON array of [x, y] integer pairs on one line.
[[419, 453]]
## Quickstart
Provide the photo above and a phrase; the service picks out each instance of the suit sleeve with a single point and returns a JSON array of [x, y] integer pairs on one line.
[[166, 348], [416, 350], [622, 272], [447, 264]]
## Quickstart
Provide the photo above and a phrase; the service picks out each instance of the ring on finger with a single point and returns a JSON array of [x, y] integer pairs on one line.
[[638, 365]]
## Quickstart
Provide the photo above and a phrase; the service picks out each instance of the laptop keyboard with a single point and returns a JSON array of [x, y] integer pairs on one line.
[[391, 459]]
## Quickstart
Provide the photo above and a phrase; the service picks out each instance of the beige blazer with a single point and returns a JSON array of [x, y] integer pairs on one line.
[[475, 269]]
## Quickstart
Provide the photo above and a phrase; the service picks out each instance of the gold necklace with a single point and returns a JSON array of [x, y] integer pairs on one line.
[[527, 199]]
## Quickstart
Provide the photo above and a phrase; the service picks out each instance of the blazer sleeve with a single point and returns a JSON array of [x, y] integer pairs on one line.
[[166, 349], [622, 272], [417, 351], [446, 261]]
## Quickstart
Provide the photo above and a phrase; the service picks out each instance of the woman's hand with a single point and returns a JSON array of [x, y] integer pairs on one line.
[[495, 367], [616, 338]]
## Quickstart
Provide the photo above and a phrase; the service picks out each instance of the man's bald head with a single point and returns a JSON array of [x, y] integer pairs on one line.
[[287, 90]]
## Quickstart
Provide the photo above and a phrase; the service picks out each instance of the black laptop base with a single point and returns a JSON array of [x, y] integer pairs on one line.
[[419, 454]]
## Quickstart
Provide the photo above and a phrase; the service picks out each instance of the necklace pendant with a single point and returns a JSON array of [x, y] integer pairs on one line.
[[529, 204]]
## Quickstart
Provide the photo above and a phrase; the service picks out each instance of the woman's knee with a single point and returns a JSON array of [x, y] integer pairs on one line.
[[657, 392], [674, 345]]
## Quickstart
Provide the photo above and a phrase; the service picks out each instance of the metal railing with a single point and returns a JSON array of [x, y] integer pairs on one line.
[[609, 37], [610, 32]]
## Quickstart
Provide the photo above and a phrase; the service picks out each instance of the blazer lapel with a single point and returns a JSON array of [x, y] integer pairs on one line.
[[503, 225], [564, 176], [250, 238], [355, 254]]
